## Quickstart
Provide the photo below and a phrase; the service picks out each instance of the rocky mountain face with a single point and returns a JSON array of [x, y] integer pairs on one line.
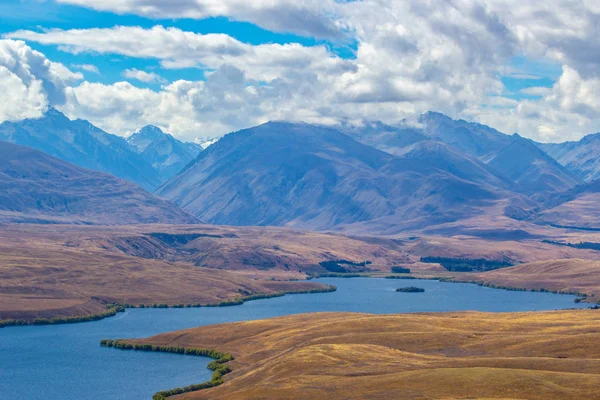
[[166, 154], [314, 177], [375, 177], [82, 144], [514, 158], [148, 158], [38, 188], [581, 158]]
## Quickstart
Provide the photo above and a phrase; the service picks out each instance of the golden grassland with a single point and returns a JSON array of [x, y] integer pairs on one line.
[[573, 275], [545, 355], [44, 276], [49, 271]]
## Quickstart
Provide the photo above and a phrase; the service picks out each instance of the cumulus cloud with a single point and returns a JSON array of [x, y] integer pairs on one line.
[[199, 109], [143, 76], [31, 80], [411, 56], [306, 17], [179, 49], [86, 67]]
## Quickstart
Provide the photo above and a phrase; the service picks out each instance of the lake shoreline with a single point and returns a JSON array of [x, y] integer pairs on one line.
[[217, 366], [114, 309]]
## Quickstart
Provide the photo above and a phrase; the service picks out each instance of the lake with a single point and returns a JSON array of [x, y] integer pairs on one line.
[[67, 362]]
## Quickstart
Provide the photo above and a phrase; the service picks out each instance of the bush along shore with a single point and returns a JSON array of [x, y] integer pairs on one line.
[[113, 309], [217, 366], [581, 297]]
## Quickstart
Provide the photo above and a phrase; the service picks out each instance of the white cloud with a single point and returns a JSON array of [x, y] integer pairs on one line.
[[306, 17], [179, 49], [143, 76], [31, 81], [536, 91], [412, 56], [87, 67]]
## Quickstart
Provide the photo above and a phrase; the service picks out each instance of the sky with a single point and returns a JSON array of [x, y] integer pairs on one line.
[[202, 68]]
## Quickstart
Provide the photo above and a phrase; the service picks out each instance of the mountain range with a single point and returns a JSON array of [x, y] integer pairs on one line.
[[38, 188], [83, 144], [315, 177], [371, 177]]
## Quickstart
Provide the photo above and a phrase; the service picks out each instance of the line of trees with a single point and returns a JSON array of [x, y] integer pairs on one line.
[[467, 264], [217, 366], [338, 265], [112, 310], [580, 245]]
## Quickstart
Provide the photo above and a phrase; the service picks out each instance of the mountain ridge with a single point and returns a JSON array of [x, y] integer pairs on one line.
[[39, 188], [164, 152], [316, 178]]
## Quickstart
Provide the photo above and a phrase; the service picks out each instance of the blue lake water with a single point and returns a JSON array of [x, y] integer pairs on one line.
[[66, 361]]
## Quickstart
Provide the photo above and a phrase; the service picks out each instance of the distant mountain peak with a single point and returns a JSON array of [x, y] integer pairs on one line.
[[53, 114], [142, 138], [590, 138], [150, 131], [164, 152]]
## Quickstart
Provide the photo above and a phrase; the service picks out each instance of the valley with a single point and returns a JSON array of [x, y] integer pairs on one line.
[[304, 200], [267, 221]]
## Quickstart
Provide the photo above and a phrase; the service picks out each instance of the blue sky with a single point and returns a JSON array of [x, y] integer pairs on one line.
[[319, 61], [38, 16]]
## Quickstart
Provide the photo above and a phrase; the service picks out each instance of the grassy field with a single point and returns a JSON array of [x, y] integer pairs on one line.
[[548, 355], [49, 271], [44, 273], [574, 275]]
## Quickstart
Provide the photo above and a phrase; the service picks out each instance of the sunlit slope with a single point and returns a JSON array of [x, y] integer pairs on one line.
[[551, 355]]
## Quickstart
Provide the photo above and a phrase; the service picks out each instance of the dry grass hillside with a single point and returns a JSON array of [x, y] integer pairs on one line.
[[573, 275], [69, 270], [44, 276], [534, 356]]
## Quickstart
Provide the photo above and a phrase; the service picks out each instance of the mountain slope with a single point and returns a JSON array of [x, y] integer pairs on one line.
[[474, 139], [390, 139], [514, 157], [83, 144], [531, 168], [582, 158], [577, 207], [166, 154], [319, 178], [35, 187]]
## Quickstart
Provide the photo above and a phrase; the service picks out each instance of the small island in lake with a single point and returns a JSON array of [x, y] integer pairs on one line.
[[410, 289]]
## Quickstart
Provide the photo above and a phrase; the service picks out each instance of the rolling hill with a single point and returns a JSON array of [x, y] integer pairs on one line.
[[325, 356], [35, 187], [578, 207]]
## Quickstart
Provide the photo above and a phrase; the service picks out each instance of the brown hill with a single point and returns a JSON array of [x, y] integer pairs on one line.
[[67, 270], [573, 275], [51, 271], [535, 356]]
